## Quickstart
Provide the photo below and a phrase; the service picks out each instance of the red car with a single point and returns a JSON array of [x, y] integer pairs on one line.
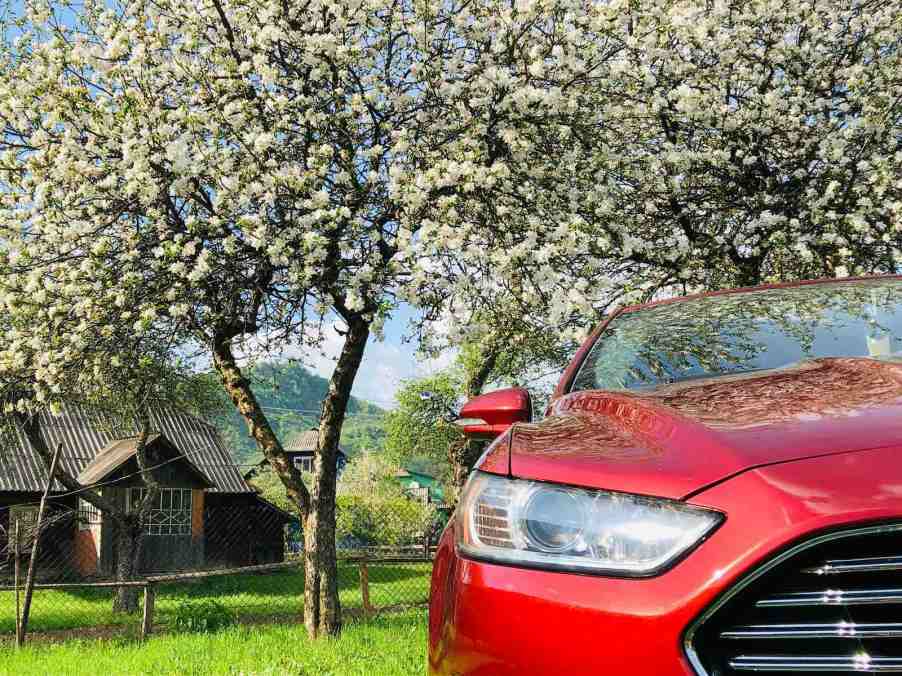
[[716, 489]]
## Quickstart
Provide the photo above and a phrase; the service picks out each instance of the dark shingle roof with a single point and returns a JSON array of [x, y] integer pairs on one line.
[[84, 433]]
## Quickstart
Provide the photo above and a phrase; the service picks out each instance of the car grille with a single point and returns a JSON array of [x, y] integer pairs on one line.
[[830, 605]]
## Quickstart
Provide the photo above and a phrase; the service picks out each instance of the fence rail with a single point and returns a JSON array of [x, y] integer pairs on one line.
[[75, 584]]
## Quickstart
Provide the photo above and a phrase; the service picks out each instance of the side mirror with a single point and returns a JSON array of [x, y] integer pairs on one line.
[[490, 415]]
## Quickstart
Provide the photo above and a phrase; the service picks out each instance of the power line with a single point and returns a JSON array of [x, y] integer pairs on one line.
[[350, 414], [85, 489]]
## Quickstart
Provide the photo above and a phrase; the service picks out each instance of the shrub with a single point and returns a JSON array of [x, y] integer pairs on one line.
[[202, 616], [382, 520]]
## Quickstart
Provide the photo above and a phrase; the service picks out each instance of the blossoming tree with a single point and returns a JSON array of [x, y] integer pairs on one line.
[[117, 391], [724, 144], [245, 173], [755, 140]]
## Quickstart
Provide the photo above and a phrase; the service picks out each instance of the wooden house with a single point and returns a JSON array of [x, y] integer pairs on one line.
[[300, 449], [205, 515]]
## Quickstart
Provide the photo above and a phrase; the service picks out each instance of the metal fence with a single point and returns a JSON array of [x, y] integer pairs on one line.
[[244, 555]]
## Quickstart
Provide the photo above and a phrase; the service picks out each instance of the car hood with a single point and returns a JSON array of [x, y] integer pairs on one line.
[[677, 439]]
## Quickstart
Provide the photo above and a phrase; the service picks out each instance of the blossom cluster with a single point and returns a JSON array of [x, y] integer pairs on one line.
[[174, 172]]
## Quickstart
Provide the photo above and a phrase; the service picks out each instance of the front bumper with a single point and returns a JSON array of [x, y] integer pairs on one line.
[[490, 619]]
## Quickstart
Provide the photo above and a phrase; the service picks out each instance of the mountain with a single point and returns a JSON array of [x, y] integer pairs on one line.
[[292, 396]]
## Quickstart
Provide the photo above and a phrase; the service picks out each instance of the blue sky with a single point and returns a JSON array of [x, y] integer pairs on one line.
[[386, 364]]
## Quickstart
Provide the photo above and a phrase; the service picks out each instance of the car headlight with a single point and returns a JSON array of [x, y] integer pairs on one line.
[[543, 525]]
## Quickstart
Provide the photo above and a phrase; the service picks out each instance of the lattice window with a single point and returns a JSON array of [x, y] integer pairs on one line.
[[171, 515], [88, 515]]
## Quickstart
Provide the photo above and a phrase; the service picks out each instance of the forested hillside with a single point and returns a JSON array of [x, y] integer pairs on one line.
[[291, 396]]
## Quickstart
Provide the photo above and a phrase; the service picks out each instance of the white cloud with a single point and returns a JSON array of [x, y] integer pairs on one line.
[[386, 364]]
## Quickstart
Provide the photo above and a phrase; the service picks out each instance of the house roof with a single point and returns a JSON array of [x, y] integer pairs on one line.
[[84, 433], [302, 442], [410, 473], [119, 451], [305, 442]]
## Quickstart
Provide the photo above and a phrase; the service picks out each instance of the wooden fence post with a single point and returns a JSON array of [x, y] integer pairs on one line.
[[16, 575], [35, 548], [365, 587], [147, 620]]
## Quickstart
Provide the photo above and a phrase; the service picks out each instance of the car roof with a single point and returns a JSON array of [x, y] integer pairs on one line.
[[761, 287]]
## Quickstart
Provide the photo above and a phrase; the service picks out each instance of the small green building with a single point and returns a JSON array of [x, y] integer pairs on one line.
[[421, 486]]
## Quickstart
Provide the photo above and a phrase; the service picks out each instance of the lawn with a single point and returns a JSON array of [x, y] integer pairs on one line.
[[259, 597], [391, 645]]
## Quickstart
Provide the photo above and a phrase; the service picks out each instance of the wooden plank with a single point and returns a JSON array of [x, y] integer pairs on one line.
[[365, 588], [268, 567], [197, 513], [177, 577], [263, 568], [16, 583], [393, 549], [147, 619], [387, 559], [82, 585], [35, 547]]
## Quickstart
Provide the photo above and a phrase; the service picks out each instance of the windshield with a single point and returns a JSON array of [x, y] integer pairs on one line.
[[744, 332]]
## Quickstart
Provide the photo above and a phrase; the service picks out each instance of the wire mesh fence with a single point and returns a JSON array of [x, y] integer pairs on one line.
[[237, 552]]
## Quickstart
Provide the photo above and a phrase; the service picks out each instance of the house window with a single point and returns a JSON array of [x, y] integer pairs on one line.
[[171, 515], [88, 515], [304, 464]]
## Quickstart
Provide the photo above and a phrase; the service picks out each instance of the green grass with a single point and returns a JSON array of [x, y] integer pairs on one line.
[[391, 645], [258, 597]]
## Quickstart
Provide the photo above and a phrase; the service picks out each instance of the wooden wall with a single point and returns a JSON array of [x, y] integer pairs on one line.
[[242, 530]]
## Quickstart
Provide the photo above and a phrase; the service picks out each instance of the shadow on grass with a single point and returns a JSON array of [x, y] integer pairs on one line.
[[59, 609]]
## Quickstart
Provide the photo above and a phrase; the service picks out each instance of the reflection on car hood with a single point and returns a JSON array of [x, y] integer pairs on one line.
[[679, 438]]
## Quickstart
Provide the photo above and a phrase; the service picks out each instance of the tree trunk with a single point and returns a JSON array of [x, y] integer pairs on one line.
[[129, 542], [748, 271], [239, 390], [477, 380], [130, 527], [322, 609], [30, 425], [460, 452]]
